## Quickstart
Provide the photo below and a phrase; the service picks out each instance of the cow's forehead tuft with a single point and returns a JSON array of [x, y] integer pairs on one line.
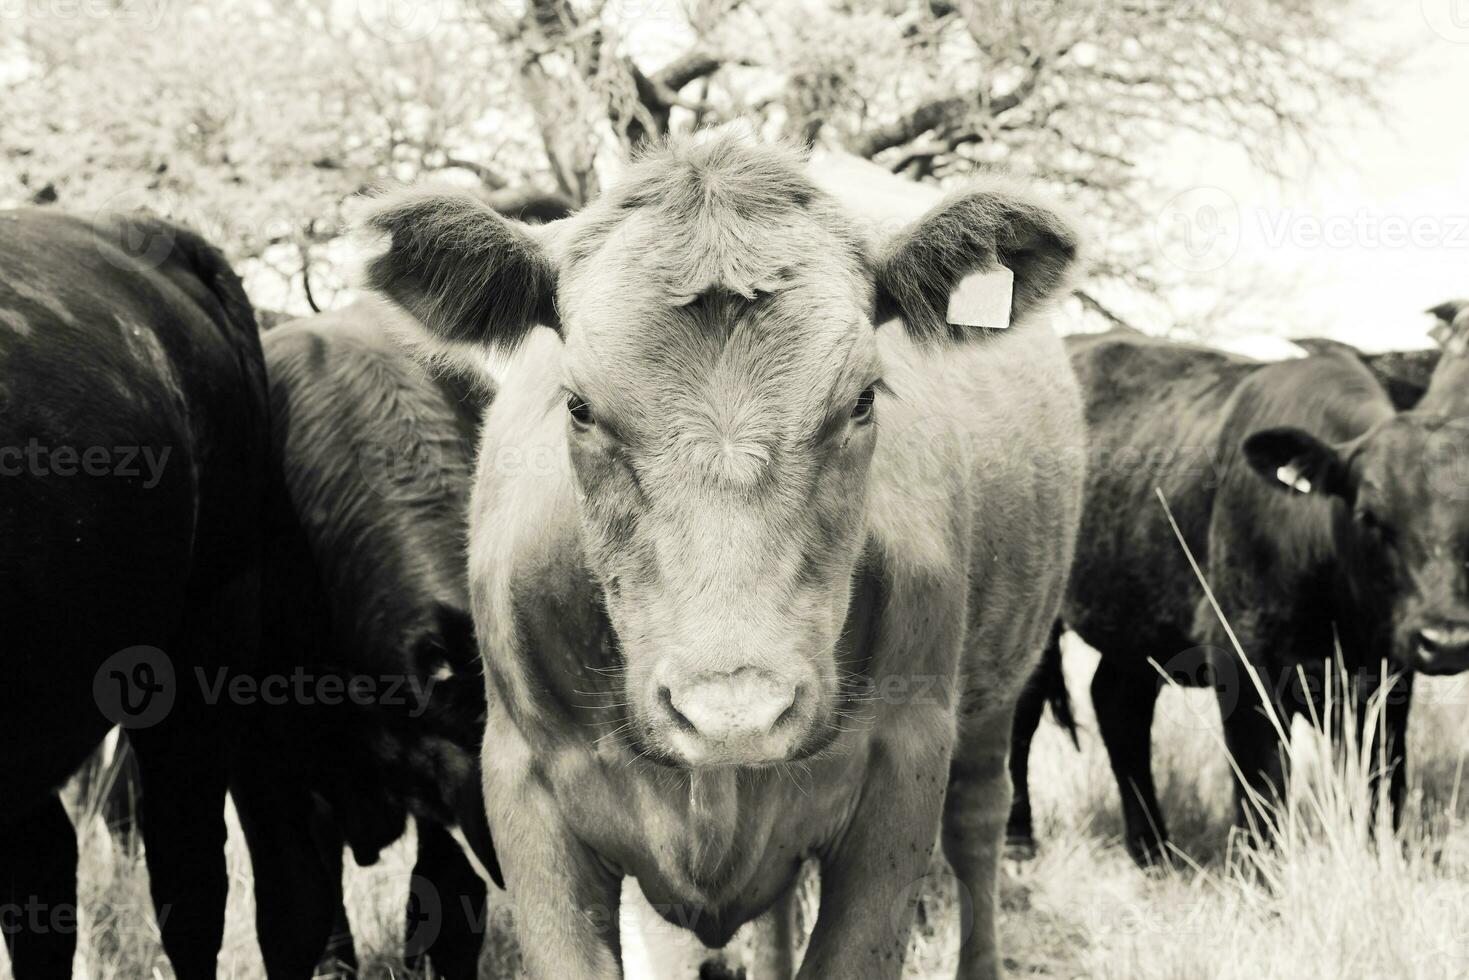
[[724, 213]]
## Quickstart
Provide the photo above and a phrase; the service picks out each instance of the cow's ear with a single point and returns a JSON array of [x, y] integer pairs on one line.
[[468, 276], [1294, 460], [1447, 311], [1453, 322], [923, 266]]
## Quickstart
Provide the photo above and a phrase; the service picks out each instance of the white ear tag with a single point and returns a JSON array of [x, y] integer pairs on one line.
[[1292, 478], [983, 299]]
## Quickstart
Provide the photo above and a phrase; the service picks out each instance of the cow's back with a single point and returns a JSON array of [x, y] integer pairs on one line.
[[1155, 416], [110, 357]]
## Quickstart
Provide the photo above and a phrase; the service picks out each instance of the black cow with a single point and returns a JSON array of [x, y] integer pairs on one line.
[[365, 585], [133, 428], [1317, 512]]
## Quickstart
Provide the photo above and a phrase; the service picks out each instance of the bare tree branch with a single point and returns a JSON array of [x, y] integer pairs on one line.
[[686, 69]]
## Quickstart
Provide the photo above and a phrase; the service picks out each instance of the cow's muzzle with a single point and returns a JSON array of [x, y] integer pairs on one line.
[[1441, 648], [741, 717]]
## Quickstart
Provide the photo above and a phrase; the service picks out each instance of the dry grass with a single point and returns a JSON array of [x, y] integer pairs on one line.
[[1325, 902]]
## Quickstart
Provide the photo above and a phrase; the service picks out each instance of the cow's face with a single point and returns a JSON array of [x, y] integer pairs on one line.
[[722, 398], [1402, 527]]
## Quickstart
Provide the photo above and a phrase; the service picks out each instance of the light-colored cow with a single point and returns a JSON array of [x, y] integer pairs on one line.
[[763, 545]]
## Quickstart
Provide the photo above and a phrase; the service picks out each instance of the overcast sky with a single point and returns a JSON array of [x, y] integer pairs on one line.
[[1367, 237]]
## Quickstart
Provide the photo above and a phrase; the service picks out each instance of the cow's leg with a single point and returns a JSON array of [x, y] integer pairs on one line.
[[1124, 700], [978, 800], [565, 903], [1020, 829], [339, 959], [565, 899], [184, 775], [872, 879], [297, 884], [451, 944], [184, 763], [1252, 734], [38, 892], [1390, 759]]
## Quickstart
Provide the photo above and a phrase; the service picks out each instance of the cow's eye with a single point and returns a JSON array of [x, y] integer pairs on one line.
[[1369, 521], [580, 411], [862, 409]]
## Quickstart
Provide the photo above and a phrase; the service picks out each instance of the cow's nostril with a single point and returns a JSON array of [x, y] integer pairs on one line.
[[1437, 638], [1443, 646], [665, 697], [790, 711]]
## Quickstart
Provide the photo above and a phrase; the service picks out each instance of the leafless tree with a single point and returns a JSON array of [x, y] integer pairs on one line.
[[261, 120]]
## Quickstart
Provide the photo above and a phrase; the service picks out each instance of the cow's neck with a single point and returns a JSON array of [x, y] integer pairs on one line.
[[722, 844], [713, 821]]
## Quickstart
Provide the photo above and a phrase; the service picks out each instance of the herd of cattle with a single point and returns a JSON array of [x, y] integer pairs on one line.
[[606, 547]]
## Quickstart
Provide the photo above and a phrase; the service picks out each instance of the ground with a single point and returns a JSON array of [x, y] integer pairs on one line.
[[1325, 902]]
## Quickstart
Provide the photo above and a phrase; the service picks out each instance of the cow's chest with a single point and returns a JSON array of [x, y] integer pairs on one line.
[[713, 851]]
